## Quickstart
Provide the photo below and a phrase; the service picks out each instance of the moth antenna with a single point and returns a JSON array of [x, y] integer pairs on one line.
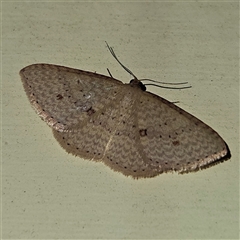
[[109, 73], [130, 72], [151, 80], [114, 55], [151, 84]]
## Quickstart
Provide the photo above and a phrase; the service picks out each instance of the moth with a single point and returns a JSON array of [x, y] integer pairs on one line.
[[131, 130]]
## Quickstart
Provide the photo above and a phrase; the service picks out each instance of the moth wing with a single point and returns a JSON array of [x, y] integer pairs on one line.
[[63, 96], [172, 139]]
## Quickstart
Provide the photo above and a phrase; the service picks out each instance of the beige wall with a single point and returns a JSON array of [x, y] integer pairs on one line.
[[49, 194]]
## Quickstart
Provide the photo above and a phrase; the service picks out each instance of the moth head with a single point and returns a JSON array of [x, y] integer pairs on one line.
[[138, 84]]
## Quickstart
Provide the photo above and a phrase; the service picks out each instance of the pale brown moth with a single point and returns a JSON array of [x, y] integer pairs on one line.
[[132, 131]]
